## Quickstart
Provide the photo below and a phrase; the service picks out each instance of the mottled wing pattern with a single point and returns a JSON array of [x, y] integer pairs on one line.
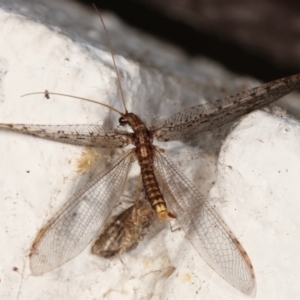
[[78, 221], [82, 135], [212, 115], [204, 227]]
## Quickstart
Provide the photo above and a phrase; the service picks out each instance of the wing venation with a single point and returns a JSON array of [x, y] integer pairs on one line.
[[79, 220], [202, 225], [82, 135], [210, 116]]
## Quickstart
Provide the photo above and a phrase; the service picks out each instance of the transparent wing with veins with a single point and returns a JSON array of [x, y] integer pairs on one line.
[[82, 135], [79, 220], [212, 115], [204, 227]]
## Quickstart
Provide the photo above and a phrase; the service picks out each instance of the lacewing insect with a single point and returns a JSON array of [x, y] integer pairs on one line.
[[166, 188]]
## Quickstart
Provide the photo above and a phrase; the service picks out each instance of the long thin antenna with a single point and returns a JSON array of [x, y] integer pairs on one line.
[[113, 59], [47, 94]]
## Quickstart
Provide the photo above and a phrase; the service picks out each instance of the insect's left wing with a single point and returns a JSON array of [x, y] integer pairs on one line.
[[82, 135], [79, 220], [212, 115], [204, 227]]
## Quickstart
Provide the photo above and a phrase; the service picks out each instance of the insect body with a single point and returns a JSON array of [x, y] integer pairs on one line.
[[169, 192], [143, 141]]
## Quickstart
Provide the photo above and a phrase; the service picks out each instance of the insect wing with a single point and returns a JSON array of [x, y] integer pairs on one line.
[[82, 135], [212, 115], [204, 227], [73, 227]]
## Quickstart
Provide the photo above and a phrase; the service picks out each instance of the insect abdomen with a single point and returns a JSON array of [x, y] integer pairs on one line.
[[144, 152], [152, 190]]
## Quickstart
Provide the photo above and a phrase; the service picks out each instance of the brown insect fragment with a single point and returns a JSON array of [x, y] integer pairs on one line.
[[125, 230]]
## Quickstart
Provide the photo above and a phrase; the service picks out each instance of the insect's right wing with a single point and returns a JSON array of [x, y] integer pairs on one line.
[[79, 220], [204, 227], [82, 135], [210, 116]]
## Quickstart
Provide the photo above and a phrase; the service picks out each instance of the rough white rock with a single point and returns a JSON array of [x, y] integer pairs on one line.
[[258, 190]]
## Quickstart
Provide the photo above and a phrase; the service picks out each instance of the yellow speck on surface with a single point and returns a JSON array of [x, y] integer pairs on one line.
[[146, 263], [185, 277], [88, 159]]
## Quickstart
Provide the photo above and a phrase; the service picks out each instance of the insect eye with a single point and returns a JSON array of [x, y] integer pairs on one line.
[[123, 121]]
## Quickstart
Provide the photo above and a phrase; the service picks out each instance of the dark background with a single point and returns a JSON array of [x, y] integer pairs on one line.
[[258, 38]]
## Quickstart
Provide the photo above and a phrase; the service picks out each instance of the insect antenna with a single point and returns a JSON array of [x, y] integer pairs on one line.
[[120, 88], [113, 59], [47, 95]]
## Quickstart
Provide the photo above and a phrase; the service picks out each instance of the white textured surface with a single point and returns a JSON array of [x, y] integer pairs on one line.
[[258, 183], [256, 191]]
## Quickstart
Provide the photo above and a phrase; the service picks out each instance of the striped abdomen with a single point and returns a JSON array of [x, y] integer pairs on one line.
[[152, 190], [142, 140]]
